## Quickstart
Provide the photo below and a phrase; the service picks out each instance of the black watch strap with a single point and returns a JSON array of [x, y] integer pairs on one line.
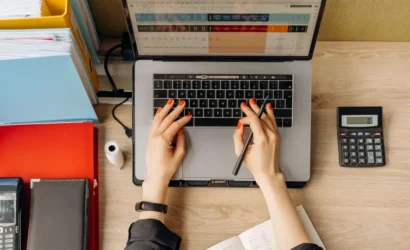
[[148, 206]]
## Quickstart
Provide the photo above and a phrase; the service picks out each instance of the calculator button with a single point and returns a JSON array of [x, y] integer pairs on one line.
[[369, 147], [353, 134], [346, 154], [346, 161], [352, 147], [360, 141], [344, 147], [8, 236], [1, 241], [361, 147], [8, 241], [1, 230], [367, 134], [352, 141], [376, 134], [377, 147], [353, 154], [353, 161], [379, 160], [378, 140], [370, 157], [8, 245], [344, 141], [361, 154], [342, 134], [362, 161], [359, 133], [369, 140], [379, 154]]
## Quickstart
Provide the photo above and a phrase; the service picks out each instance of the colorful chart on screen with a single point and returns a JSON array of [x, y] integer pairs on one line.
[[224, 27]]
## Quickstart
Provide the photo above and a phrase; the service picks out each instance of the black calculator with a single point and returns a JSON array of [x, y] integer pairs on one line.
[[360, 137]]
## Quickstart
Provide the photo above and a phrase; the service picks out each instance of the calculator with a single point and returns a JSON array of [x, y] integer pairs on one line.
[[360, 137]]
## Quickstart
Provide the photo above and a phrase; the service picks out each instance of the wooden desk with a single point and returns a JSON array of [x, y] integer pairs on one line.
[[350, 208]]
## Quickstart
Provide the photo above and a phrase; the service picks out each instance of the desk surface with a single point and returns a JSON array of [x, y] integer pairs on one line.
[[350, 208]]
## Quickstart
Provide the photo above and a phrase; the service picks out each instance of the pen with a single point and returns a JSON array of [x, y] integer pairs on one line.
[[248, 141]]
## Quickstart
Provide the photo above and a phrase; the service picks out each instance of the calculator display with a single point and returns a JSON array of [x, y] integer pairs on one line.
[[7, 209], [359, 120]]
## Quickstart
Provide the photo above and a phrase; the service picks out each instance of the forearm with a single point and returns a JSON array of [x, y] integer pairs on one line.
[[154, 191], [287, 227]]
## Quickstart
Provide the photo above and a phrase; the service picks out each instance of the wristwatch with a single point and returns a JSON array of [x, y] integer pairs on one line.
[[148, 206]]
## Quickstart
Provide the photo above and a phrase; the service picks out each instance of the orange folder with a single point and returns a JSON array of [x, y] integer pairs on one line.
[[65, 150]]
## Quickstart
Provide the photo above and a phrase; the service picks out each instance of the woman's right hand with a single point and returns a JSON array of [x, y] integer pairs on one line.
[[262, 157]]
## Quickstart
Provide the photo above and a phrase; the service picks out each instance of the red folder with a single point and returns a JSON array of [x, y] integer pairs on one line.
[[66, 150]]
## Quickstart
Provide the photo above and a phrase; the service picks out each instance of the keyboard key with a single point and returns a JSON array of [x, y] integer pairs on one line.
[[362, 161], [379, 154], [249, 94], [272, 102], [240, 101], [222, 103], [196, 84], [377, 147], [352, 148], [369, 140], [218, 112], [353, 154], [198, 112], [268, 93], [160, 94], [230, 94], [285, 85], [234, 84], [254, 85], [176, 102], [232, 104], [361, 147], [259, 102], [370, 157], [237, 113], [225, 84], [361, 154], [369, 147], [344, 140], [213, 103], [182, 94], [346, 161], [216, 84], [360, 141], [191, 93], [203, 103], [206, 85], [353, 134], [280, 104], [379, 160], [201, 94], [239, 94], [159, 103], [244, 84], [227, 112], [158, 84], [254, 77], [223, 122], [273, 85], [279, 122], [288, 98], [345, 147], [287, 122], [359, 133], [188, 111], [180, 76], [263, 85], [377, 140], [177, 85], [352, 141], [167, 84], [220, 94], [186, 84], [193, 103], [172, 93], [210, 94], [353, 161], [208, 112], [259, 94], [277, 94]]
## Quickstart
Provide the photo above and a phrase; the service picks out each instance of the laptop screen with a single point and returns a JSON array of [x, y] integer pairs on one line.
[[224, 27]]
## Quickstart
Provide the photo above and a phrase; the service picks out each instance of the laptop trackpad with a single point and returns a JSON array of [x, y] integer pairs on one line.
[[211, 155]]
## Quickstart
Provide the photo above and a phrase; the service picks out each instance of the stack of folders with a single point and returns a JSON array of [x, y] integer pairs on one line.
[[46, 43]]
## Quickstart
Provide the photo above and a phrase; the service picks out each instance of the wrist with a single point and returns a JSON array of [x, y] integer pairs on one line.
[[268, 180], [154, 191]]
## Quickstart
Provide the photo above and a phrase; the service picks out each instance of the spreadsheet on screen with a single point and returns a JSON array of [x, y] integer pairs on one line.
[[224, 27]]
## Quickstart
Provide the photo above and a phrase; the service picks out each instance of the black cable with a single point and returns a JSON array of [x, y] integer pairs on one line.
[[127, 130], [109, 52]]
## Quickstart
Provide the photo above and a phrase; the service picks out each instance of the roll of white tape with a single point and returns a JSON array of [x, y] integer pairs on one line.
[[114, 154]]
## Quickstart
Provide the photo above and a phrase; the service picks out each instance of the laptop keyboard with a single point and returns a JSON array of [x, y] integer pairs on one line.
[[214, 100]]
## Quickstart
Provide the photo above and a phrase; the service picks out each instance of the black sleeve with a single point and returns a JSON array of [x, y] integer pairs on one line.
[[153, 235], [307, 246]]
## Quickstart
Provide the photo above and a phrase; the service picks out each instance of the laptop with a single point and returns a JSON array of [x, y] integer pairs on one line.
[[215, 55]]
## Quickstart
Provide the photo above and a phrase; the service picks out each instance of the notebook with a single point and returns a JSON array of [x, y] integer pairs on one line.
[[261, 237], [59, 214]]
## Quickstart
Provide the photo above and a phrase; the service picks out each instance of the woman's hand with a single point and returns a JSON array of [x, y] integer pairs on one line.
[[262, 157], [163, 159]]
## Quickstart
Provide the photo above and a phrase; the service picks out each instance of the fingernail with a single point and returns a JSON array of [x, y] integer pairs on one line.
[[159, 110], [253, 101], [189, 114], [181, 103], [170, 101], [243, 104], [269, 106], [239, 125]]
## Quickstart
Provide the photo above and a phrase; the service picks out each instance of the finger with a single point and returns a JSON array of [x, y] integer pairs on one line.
[[180, 146], [171, 117], [176, 126], [238, 139], [162, 113], [264, 117], [271, 115], [253, 121]]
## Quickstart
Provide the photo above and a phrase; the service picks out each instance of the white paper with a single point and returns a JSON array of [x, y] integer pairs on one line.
[[233, 243]]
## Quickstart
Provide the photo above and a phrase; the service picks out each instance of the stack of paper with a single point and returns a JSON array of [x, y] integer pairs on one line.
[[23, 8]]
